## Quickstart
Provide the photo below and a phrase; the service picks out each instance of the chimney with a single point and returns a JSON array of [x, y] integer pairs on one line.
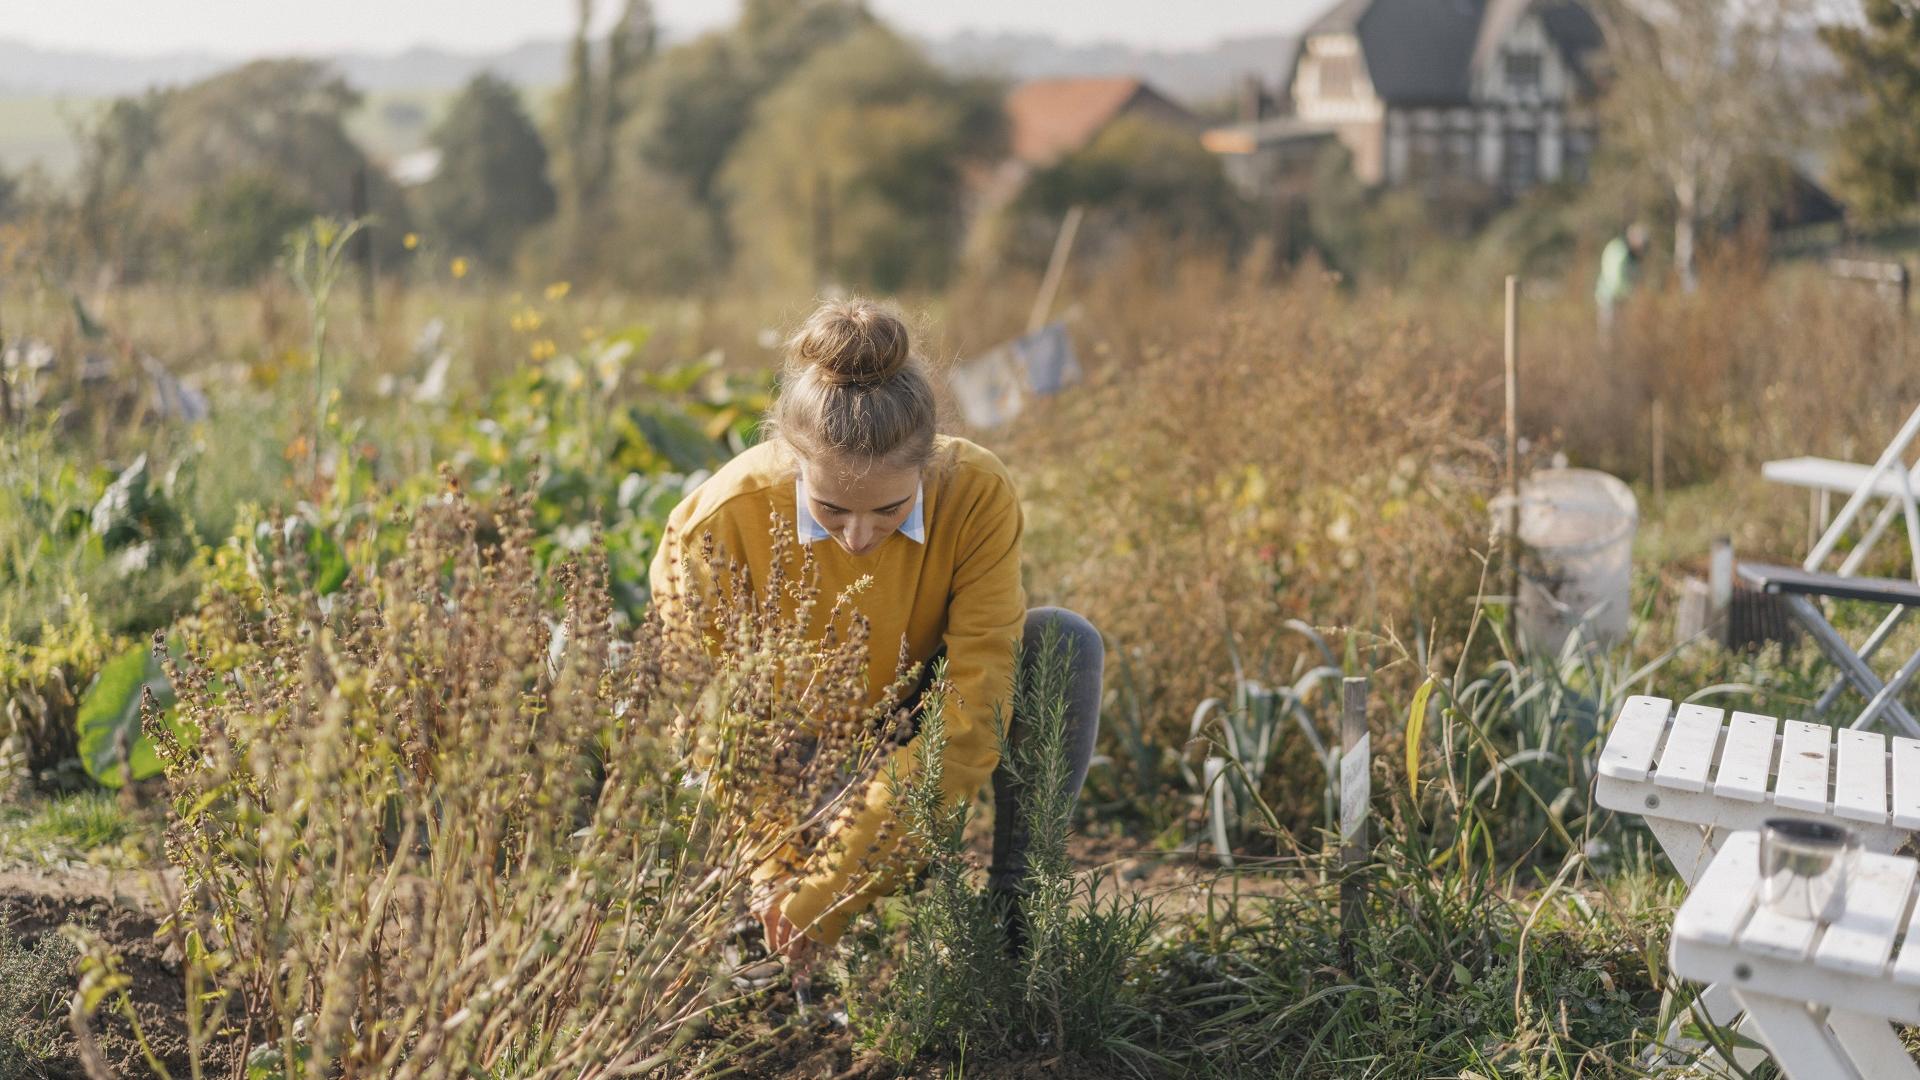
[[1255, 103]]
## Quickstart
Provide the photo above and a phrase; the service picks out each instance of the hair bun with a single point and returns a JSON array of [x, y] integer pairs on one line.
[[851, 343]]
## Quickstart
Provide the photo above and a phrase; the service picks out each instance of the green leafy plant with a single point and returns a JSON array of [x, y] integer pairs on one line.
[[1242, 735], [954, 957], [113, 747], [961, 985]]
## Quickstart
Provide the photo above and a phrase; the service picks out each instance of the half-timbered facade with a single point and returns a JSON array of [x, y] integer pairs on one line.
[[1421, 91]]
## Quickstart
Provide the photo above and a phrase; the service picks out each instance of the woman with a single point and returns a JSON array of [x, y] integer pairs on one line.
[[853, 458]]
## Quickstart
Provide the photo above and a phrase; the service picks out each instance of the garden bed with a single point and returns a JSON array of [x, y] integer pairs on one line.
[[35, 905]]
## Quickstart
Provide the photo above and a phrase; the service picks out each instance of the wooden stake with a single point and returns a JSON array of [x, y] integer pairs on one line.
[[6, 386], [363, 243], [1720, 588], [1513, 454], [1356, 791], [1659, 452], [1056, 269]]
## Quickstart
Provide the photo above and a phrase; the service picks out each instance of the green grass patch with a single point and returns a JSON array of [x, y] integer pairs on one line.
[[63, 828]]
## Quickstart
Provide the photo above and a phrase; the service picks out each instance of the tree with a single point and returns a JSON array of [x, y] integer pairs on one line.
[[698, 99], [695, 104], [578, 104], [154, 162], [853, 169], [648, 236], [631, 46], [641, 139], [239, 227], [1704, 94], [1879, 145], [492, 184], [1137, 174], [112, 154]]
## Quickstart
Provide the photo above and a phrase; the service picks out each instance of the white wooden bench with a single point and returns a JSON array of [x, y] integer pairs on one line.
[[1818, 993], [1697, 776]]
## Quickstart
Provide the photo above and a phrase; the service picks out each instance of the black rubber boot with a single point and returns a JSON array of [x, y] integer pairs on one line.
[[1009, 909]]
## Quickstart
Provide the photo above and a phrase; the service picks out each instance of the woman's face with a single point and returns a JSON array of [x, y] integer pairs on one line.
[[860, 508]]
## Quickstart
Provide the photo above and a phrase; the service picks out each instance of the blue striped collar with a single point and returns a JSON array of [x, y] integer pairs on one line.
[[811, 531]]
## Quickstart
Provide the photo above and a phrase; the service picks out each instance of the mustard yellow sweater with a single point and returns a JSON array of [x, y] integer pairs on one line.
[[961, 588]]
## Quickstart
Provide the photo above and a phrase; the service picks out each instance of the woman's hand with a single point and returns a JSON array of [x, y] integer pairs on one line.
[[783, 937]]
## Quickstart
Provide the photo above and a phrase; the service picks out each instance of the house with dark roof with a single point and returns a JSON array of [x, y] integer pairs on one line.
[[1496, 92]]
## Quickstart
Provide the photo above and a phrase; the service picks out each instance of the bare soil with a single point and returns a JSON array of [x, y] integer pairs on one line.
[[35, 905]]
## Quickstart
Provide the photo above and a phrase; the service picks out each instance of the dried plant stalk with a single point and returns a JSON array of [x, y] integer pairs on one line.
[[448, 822]]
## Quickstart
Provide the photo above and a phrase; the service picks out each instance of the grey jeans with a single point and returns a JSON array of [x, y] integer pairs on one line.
[[1087, 660]]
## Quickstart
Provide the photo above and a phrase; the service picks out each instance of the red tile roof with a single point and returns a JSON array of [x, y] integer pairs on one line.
[[1052, 117]]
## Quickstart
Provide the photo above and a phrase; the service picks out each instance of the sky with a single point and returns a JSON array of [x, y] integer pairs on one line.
[[257, 27]]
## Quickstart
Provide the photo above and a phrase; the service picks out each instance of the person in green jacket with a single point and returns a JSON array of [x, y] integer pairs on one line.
[[1619, 273]]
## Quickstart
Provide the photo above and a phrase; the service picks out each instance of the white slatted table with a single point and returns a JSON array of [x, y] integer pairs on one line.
[[1819, 994], [1696, 776]]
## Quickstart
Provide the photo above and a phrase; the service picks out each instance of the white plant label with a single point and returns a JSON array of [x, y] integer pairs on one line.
[[1356, 786]]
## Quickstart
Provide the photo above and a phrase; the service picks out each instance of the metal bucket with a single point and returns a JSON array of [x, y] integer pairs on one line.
[[1576, 561]]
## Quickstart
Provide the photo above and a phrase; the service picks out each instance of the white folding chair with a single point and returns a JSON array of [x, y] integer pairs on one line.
[[1887, 479], [1802, 589]]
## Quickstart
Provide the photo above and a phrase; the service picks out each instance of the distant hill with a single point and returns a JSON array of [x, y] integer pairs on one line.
[[28, 71], [1191, 74], [1194, 76], [45, 92]]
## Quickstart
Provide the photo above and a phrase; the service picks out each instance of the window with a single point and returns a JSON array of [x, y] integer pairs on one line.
[[1460, 154], [1336, 76], [1519, 159], [1523, 72], [1424, 160], [1579, 155]]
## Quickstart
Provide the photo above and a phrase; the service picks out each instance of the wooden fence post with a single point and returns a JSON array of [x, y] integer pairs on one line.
[[1513, 456], [1356, 791], [1659, 453]]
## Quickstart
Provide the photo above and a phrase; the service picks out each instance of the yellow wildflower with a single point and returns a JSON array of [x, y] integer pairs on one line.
[[459, 268], [543, 350], [558, 289], [410, 241]]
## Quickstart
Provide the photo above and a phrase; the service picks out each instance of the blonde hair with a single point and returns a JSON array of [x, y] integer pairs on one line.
[[854, 390]]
